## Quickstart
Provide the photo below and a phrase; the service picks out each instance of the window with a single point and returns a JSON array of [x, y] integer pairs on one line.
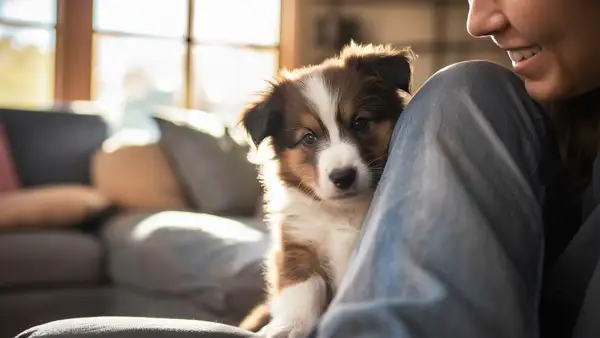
[[202, 54], [233, 51], [27, 46], [134, 56]]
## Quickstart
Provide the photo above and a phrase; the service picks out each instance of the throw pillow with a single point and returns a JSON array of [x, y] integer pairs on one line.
[[137, 177], [213, 168], [49, 206], [8, 174]]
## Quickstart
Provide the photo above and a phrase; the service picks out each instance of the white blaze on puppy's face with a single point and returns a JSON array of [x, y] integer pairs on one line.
[[338, 157], [340, 167]]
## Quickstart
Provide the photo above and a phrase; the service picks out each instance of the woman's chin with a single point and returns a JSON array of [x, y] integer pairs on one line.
[[539, 91], [545, 90], [553, 87]]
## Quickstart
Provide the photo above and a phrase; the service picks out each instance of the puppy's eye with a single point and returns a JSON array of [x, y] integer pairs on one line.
[[360, 124], [308, 139]]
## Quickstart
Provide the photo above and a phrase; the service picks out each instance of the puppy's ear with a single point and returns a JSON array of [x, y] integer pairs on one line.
[[393, 66], [260, 119]]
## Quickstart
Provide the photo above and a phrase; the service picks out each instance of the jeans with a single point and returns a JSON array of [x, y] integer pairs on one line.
[[454, 243]]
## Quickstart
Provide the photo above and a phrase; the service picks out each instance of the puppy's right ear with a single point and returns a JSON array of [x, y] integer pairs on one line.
[[260, 119], [392, 65]]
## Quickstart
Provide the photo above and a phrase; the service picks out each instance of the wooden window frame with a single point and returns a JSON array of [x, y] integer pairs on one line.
[[74, 48]]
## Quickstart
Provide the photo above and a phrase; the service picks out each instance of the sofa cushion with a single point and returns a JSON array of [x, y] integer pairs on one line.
[[8, 175], [46, 258], [197, 256], [214, 169], [137, 177], [57, 206], [62, 143]]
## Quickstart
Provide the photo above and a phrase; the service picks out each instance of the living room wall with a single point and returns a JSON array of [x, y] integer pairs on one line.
[[437, 32]]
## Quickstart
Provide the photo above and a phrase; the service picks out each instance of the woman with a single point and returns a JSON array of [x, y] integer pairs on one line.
[[485, 215]]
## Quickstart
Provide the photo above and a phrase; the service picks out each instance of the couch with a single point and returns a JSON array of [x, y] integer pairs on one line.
[[196, 254]]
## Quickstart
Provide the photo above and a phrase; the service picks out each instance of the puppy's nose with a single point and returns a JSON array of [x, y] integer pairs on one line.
[[343, 178]]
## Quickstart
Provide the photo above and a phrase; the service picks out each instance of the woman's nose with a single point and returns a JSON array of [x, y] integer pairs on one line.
[[485, 18]]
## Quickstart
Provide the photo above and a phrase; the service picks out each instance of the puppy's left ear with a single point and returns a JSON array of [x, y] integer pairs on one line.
[[393, 66]]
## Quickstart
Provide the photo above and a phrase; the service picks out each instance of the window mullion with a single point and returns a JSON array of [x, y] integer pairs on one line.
[[289, 34], [188, 64], [73, 60]]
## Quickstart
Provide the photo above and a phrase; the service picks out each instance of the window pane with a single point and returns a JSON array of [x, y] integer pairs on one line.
[[36, 11], [26, 66], [237, 21], [135, 76], [226, 78], [149, 17]]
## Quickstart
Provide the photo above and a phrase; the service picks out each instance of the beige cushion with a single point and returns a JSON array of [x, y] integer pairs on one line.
[[8, 173], [137, 177], [50, 206]]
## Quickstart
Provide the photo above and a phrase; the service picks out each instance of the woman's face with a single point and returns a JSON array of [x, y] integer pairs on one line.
[[554, 45]]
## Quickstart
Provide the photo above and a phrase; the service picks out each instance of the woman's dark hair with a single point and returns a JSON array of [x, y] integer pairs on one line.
[[577, 122], [577, 125]]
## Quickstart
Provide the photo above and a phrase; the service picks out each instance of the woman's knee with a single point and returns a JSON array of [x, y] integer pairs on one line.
[[471, 106], [475, 75], [471, 92]]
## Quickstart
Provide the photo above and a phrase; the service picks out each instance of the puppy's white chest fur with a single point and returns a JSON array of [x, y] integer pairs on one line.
[[341, 244], [331, 230]]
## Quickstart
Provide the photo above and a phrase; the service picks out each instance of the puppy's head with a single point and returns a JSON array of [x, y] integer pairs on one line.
[[330, 124]]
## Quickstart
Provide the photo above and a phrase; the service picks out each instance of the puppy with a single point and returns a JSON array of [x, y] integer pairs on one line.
[[328, 128]]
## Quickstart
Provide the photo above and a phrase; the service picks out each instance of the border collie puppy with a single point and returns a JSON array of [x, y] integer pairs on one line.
[[328, 127]]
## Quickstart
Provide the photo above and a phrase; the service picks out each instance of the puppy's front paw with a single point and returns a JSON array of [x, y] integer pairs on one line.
[[296, 308], [280, 330]]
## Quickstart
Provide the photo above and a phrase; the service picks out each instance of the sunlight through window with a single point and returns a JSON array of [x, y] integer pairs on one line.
[[148, 56], [27, 44]]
